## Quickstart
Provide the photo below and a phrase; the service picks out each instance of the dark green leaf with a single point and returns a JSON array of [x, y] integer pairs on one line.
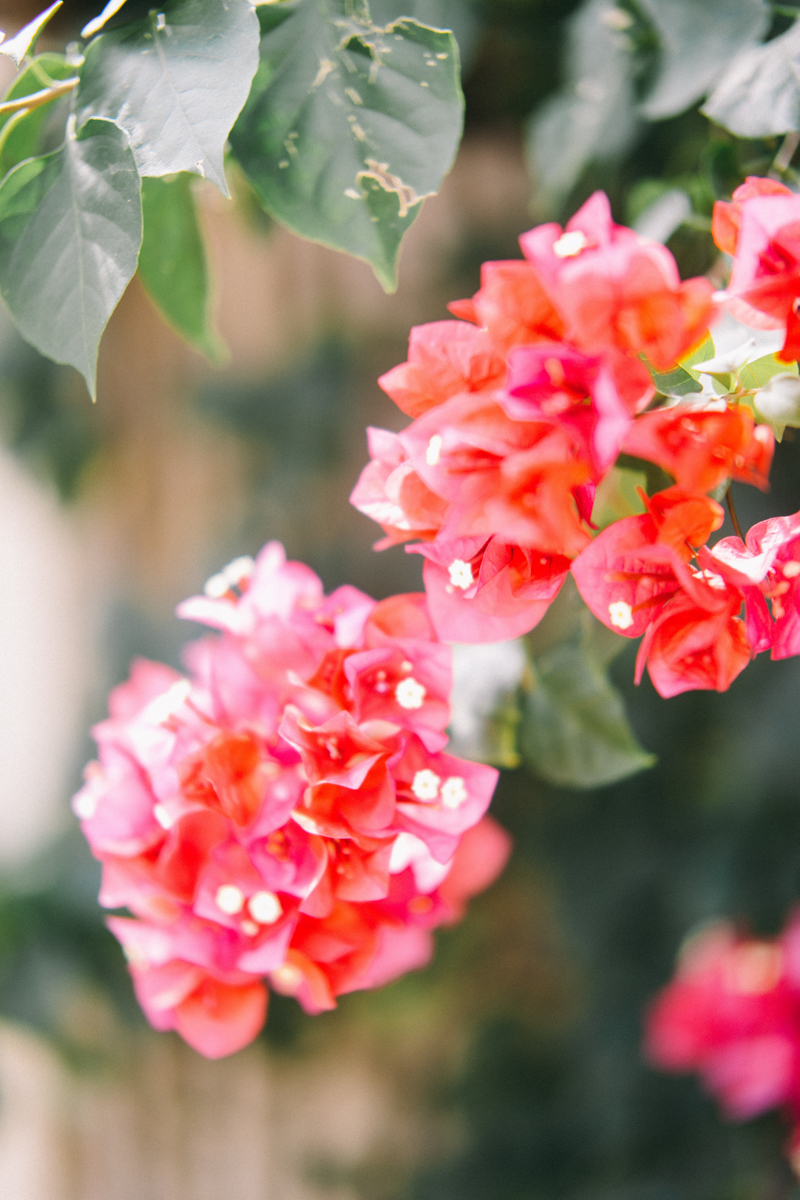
[[70, 231], [697, 43], [20, 132], [175, 82], [759, 94], [349, 125], [172, 261], [574, 729]]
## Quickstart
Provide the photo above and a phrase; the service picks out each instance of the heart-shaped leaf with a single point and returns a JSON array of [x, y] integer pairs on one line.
[[70, 231], [349, 125], [175, 82]]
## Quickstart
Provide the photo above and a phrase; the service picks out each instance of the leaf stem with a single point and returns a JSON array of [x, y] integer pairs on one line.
[[782, 160], [734, 519], [37, 98]]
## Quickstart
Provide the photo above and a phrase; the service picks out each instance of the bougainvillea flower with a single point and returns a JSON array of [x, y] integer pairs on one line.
[[637, 578], [614, 288], [732, 1014], [512, 306], [509, 478], [286, 812], [391, 492], [727, 215], [488, 591], [593, 396], [444, 358], [765, 276], [768, 562], [702, 448]]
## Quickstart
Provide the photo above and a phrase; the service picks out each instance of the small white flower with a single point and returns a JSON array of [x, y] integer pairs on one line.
[[570, 244], [454, 792], [265, 907], [434, 450], [426, 784], [409, 693], [621, 614], [461, 574], [229, 899]]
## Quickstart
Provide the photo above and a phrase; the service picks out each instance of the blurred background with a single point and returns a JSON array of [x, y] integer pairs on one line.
[[510, 1069]]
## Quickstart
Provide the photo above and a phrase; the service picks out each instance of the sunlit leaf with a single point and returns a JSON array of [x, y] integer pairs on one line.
[[759, 94], [349, 125], [172, 262], [70, 230], [175, 82], [697, 41], [20, 132]]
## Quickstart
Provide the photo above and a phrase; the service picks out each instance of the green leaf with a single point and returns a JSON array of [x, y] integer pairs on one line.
[[349, 125], [20, 132], [70, 231], [172, 262], [593, 117], [677, 382], [574, 730], [759, 94], [757, 374], [175, 82], [697, 41]]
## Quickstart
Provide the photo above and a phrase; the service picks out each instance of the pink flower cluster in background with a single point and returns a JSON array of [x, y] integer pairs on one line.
[[732, 1014], [285, 815], [521, 408]]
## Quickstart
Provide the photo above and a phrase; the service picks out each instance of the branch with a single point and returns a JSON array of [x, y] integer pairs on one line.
[[37, 98]]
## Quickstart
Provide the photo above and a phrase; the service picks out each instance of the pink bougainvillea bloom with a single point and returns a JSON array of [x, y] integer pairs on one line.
[[444, 358], [488, 591], [614, 288], [767, 565], [727, 216], [286, 815], [593, 396], [732, 1014], [765, 277], [512, 306], [701, 448], [637, 577], [390, 491]]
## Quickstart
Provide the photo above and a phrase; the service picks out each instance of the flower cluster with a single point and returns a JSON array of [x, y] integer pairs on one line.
[[522, 406], [286, 812], [732, 1013]]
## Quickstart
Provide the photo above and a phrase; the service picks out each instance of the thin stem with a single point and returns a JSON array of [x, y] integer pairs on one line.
[[37, 98], [734, 519], [785, 10], [782, 160]]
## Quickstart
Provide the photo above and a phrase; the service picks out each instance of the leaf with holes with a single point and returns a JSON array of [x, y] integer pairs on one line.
[[70, 231], [349, 125], [172, 262], [175, 82]]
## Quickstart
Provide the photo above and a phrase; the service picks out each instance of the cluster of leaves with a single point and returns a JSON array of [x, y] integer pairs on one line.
[[341, 125]]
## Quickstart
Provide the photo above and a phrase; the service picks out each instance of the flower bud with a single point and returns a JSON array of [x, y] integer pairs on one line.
[[779, 401]]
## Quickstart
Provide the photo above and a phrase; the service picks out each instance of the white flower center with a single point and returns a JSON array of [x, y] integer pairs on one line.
[[791, 569], [454, 792], [85, 806], [229, 899], [460, 574], [621, 614], [265, 907], [426, 784], [409, 693], [570, 244]]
